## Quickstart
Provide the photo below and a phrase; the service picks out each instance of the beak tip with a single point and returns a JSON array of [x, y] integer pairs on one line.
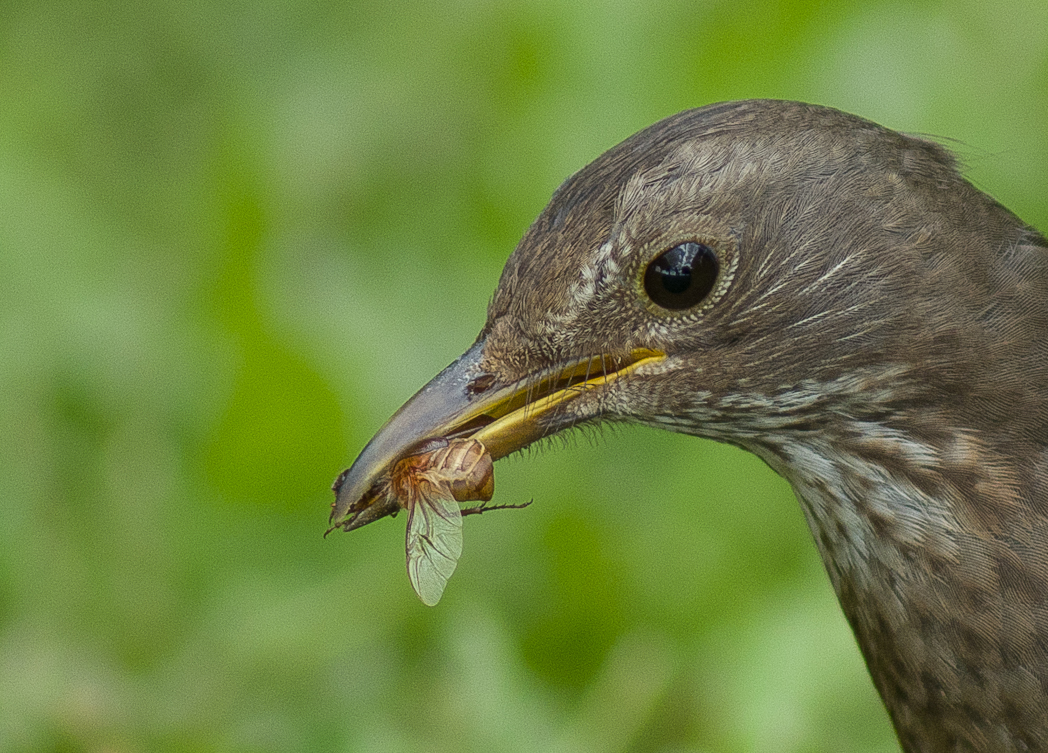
[[361, 491], [350, 513], [339, 481]]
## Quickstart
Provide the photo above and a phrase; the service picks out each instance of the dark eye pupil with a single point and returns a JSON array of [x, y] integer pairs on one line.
[[681, 277]]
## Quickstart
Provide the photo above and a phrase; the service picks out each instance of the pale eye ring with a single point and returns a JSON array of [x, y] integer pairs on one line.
[[681, 277]]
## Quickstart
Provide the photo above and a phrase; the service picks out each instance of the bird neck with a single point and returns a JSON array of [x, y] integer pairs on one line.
[[939, 564]]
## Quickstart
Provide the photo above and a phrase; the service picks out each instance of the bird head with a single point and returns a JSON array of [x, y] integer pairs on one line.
[[746, 271]]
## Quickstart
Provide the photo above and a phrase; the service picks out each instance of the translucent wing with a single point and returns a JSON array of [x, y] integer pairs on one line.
[[434, 541]]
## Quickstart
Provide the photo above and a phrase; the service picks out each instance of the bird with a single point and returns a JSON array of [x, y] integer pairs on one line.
[[836, 298]]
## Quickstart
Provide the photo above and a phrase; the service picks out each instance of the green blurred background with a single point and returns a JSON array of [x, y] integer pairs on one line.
[[235, 236]]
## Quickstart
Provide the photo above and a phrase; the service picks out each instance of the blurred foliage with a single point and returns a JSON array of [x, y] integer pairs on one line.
[[236, 236]]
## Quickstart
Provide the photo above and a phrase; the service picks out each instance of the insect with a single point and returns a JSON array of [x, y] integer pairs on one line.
[[429, 484]]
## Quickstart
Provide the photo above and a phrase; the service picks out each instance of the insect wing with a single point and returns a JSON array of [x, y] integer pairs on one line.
[[433, 543]]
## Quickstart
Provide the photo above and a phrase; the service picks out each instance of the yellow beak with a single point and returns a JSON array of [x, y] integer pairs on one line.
[[462, 401]]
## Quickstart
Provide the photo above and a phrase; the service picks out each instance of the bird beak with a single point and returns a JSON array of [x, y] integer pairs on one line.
[[463, 402]]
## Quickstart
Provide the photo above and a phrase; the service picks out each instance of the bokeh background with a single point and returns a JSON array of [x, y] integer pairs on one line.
[[235, 236]]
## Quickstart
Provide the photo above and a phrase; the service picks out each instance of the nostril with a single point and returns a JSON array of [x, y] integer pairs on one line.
[[483, 383]]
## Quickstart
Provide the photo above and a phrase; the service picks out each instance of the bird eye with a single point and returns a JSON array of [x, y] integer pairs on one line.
[[682, 276]]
